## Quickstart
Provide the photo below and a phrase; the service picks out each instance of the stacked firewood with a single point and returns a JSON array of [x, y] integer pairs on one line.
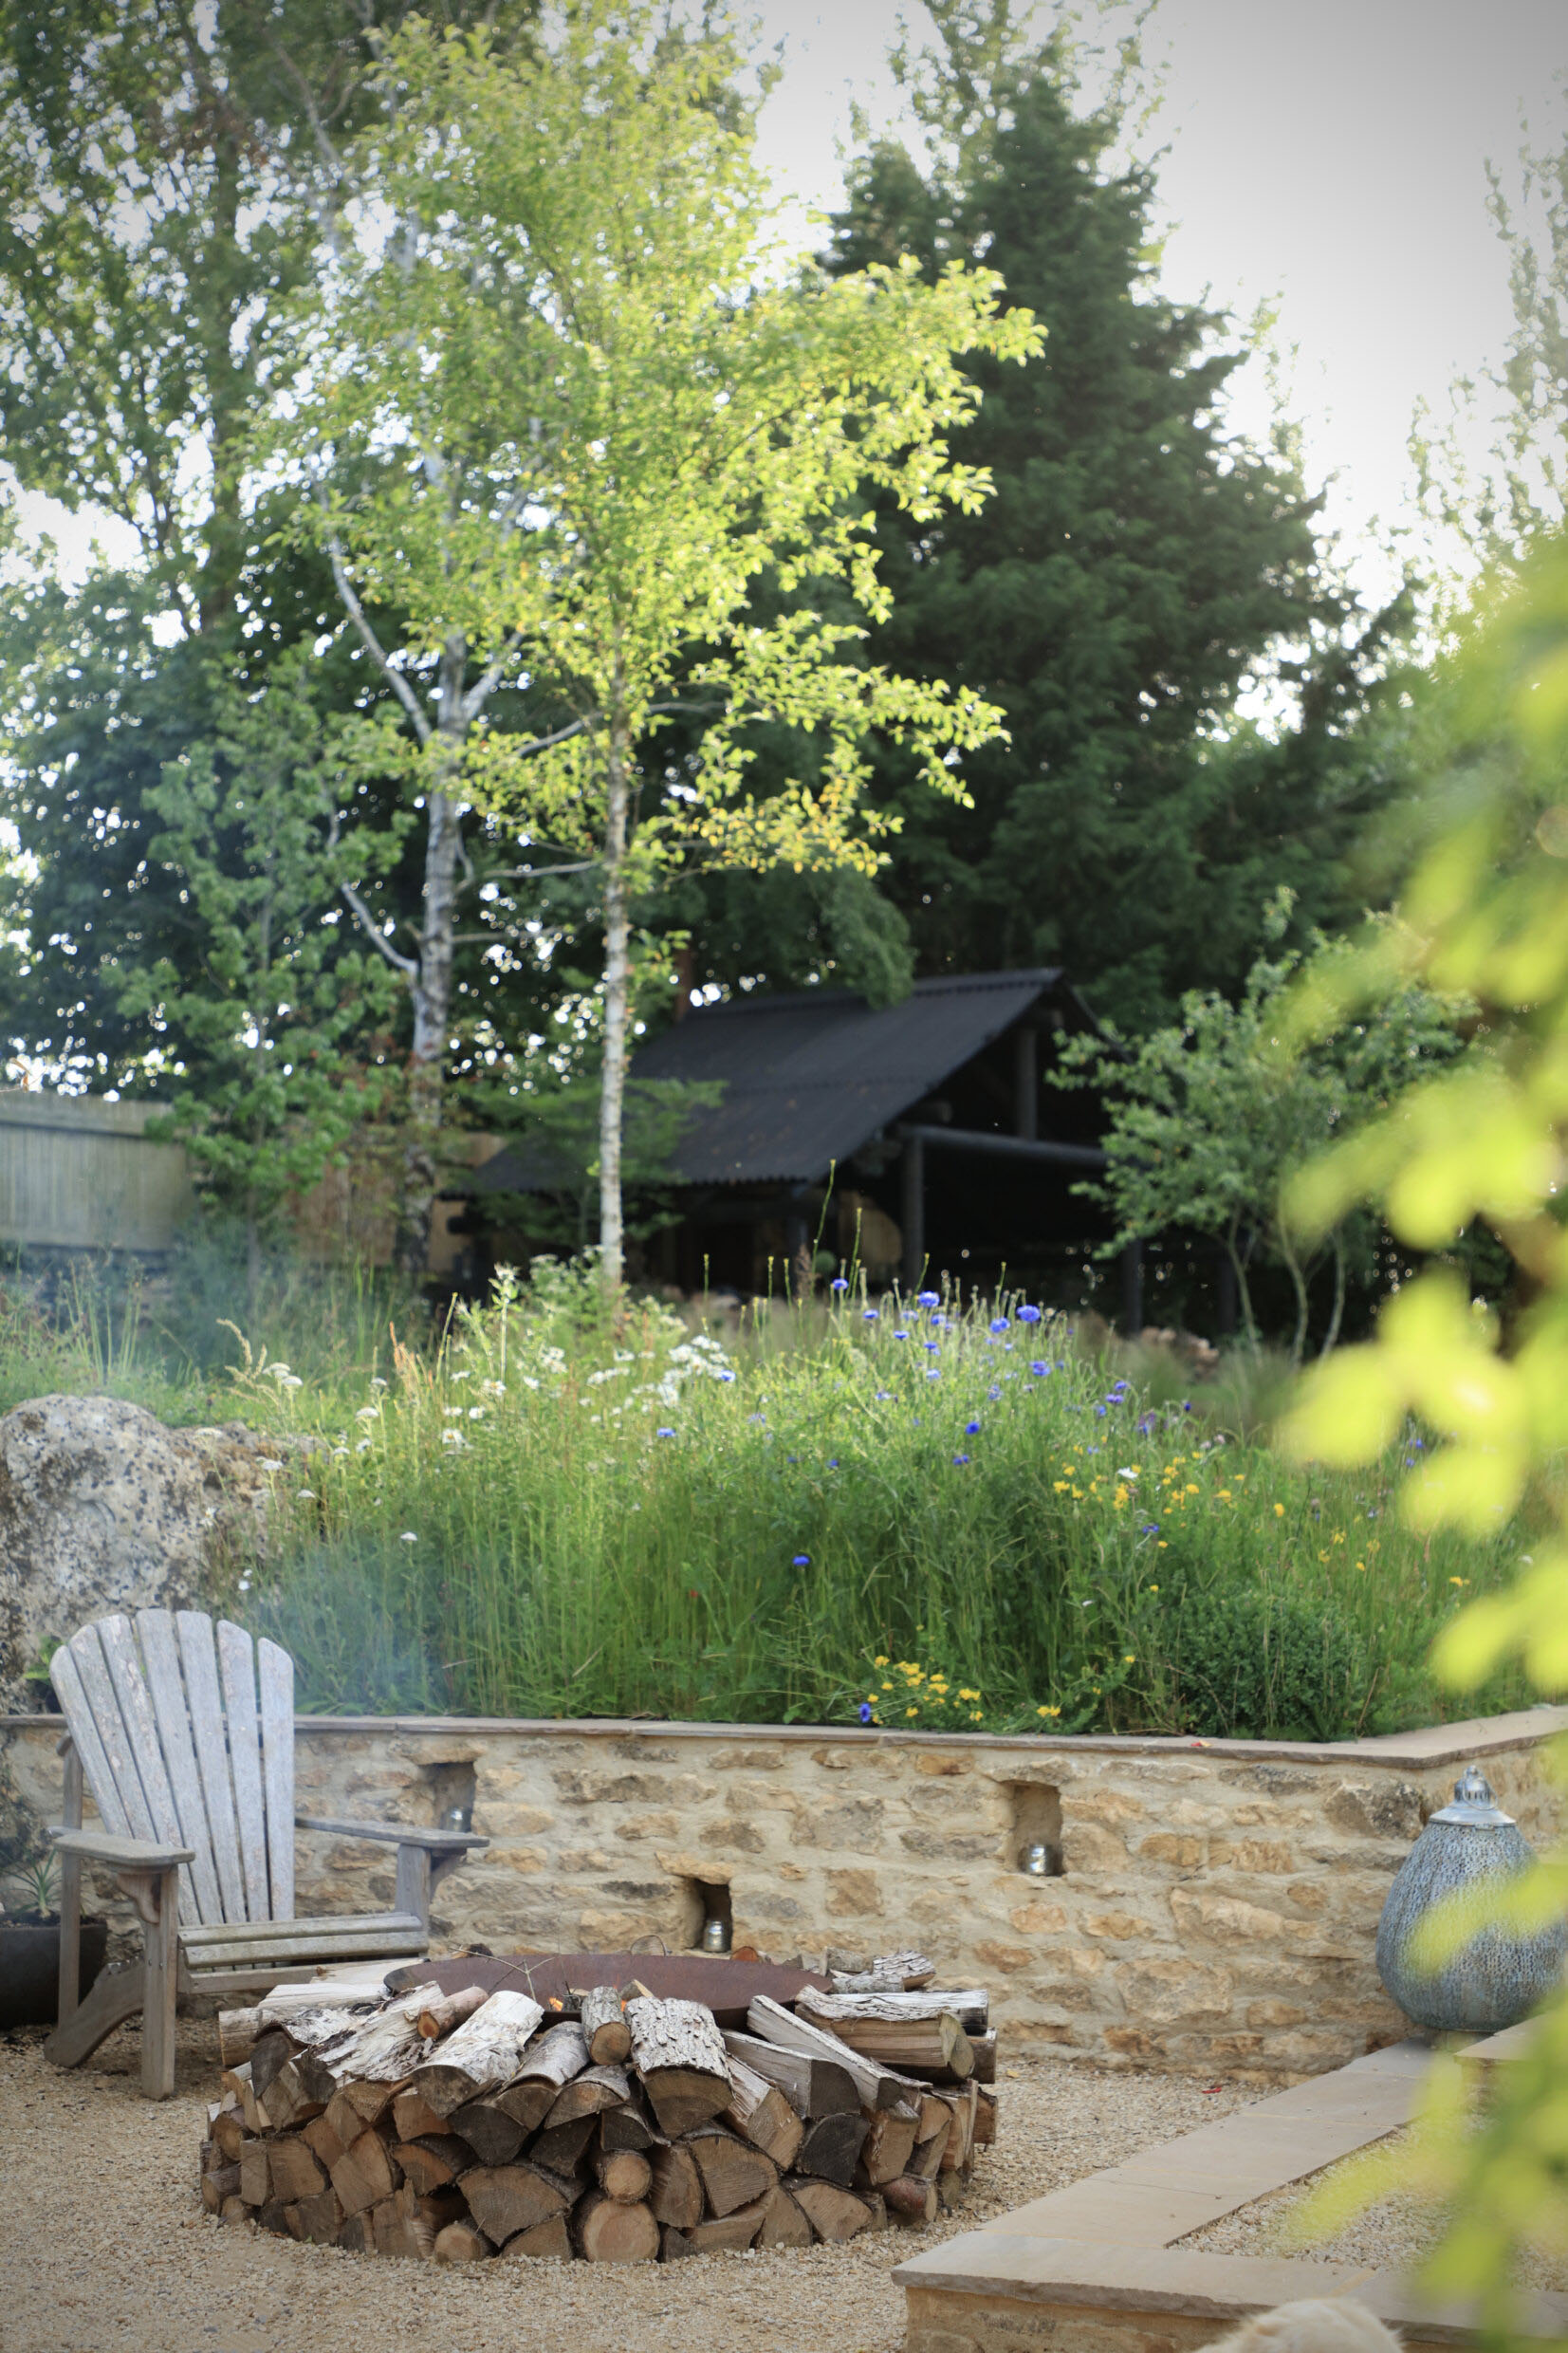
[[463, 2125]]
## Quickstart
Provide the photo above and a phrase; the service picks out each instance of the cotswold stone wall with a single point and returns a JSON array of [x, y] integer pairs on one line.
[[1213, 1905]]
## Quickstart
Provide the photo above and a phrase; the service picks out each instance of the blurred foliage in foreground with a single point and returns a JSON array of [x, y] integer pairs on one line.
[[1485, 913]]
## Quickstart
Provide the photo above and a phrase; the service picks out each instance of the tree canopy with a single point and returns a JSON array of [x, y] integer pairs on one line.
[[1137, 568], [561, 409]]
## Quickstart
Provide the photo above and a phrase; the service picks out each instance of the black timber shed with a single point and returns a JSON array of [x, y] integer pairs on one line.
[[920, 1138]]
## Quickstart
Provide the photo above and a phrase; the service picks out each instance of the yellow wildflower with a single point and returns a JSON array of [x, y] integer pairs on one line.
[[911, 1711], [1047, 1712], [1129, 1659], [1060, 1486], [1278, 1512], [879, 1662], [1191, 1490], [1119, 1499], [1459, 1580], [1224, 1494], [1337, 1537]]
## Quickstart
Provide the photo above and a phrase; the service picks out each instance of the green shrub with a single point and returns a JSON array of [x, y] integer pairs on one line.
[[1261, 1664]]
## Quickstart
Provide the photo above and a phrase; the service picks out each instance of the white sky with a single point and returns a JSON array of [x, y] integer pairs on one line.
[[1328, 153]]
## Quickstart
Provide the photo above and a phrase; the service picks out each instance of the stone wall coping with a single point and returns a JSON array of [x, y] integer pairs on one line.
[[1431, 1745]]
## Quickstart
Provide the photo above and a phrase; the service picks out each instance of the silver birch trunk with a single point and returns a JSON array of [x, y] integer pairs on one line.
[[618, 967], [430, 984]]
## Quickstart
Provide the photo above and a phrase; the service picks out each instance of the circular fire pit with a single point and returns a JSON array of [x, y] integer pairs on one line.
[[619, 2107]]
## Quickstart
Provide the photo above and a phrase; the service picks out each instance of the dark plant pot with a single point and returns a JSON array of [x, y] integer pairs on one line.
[[30, 1968]]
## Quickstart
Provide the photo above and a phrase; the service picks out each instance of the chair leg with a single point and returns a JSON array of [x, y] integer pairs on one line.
[[70, 1899], [414, 1883], [118, 1994], [161, 1938]]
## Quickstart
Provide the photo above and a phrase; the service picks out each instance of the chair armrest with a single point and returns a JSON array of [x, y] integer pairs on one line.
[[121, 1854], [394, 1834]]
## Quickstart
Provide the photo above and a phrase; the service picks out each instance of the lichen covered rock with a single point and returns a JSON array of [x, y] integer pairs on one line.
[[103, 1507]]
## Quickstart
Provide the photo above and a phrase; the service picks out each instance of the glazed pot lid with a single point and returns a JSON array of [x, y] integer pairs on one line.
[[1474, 1804]]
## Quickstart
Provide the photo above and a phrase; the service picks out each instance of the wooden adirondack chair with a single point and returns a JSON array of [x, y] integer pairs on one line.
[[195, 1787]]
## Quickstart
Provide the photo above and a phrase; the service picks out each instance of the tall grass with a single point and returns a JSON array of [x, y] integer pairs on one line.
[[911, 1515]]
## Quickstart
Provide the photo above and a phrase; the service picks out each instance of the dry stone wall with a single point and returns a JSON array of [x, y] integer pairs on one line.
[[1213, 1906]]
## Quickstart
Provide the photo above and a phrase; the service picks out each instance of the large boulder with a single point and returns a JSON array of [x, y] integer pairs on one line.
[[102, 1507]]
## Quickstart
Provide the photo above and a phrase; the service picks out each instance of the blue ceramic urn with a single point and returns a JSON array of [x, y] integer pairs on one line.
[[1500, 1975]]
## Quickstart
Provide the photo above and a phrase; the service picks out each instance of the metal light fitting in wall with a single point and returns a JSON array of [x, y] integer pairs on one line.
[[715, 1937]]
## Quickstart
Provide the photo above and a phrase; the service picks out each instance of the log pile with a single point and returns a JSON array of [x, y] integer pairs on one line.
[[456, 2128]]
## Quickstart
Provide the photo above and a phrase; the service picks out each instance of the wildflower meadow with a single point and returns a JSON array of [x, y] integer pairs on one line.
[[907, 1514]]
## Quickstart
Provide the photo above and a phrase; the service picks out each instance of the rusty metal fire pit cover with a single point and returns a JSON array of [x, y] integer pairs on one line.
[[726, 1987]]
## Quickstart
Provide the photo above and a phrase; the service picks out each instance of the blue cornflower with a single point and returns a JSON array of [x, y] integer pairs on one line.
[[1028, 1315], [933, 1372], [900, 1335], [1148, 1424], [993, 1392], [839, 1284], [832, 1464], [960, 1460], [1187, 1405], [939, 1322], [930, 1346], [928, 1299], [1099, 1411], [1419, 1445], [971, 1429], [665, 1433], [865, 1711], [871, 1315], [1150, 1528], [802, 1560], [998, 1325], [756, 1417], [726, 1376], [882, 1396], [1039, 1368]]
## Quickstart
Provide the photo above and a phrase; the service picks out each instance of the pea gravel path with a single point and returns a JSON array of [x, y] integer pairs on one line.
[[103, 2248], [1395, 2233]]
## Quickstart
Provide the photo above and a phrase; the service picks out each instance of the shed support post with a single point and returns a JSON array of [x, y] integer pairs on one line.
[[1131, 1290], [1026, 1084], [914, 1211], [1228, 1311]]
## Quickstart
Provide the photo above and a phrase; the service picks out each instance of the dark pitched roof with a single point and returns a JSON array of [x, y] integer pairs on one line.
[[809, 1079]]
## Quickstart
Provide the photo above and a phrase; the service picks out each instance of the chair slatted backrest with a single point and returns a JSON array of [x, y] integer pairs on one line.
[[175, 1746]]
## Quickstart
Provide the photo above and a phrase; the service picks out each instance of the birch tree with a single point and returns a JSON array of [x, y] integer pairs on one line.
[[566, 406]]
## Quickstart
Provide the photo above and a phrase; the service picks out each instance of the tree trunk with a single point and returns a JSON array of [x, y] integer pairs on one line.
[[1298, 1283], [617, 995], [431, 986], [1337, 1315], [1244, 1294]]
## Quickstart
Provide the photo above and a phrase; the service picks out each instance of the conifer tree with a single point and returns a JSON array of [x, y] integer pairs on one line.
[[1137, 565]]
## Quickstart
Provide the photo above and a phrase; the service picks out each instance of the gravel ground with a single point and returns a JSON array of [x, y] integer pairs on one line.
[[105, 2249], [1394, 2235]]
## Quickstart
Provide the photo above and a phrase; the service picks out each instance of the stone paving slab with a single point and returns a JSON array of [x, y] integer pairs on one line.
[[1081, 2270], [1071, 2295], [1162, 2194]]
